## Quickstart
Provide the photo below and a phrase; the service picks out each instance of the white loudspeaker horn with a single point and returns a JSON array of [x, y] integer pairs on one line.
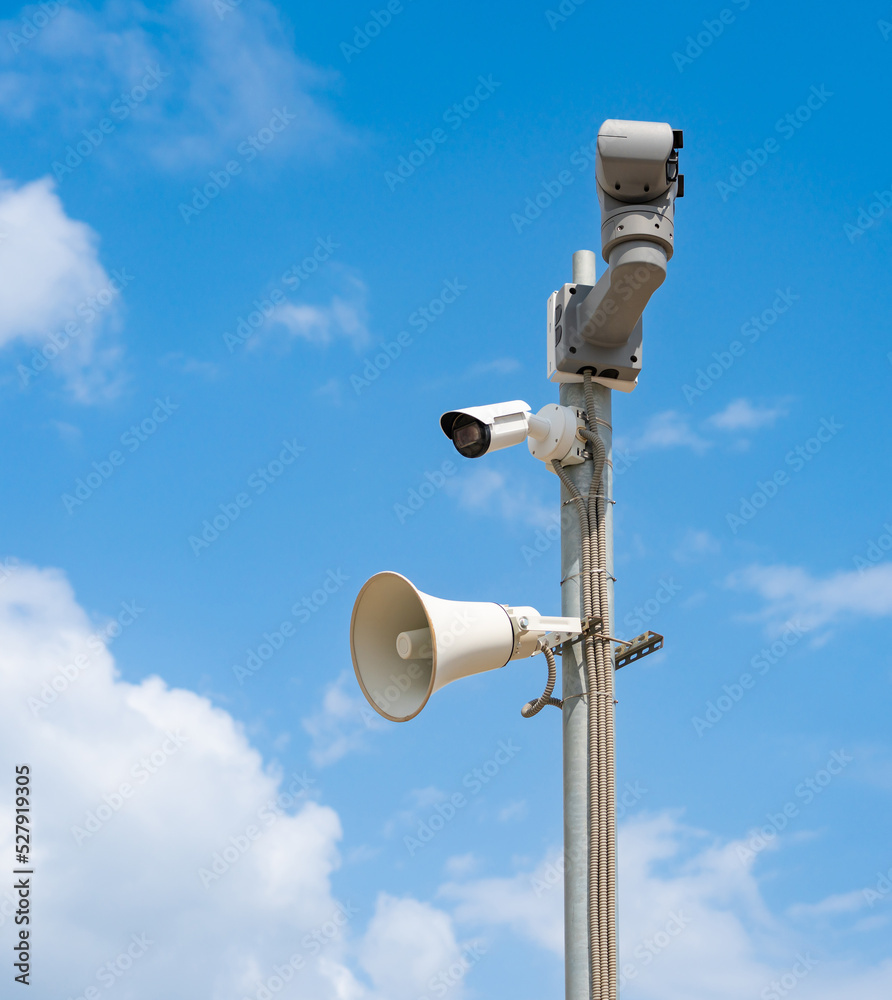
[[406, 644]]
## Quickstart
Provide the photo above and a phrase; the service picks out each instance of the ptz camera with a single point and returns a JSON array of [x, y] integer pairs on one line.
[[597, 327]]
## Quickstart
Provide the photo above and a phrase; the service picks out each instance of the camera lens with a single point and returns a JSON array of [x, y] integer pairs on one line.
[[471, 437]]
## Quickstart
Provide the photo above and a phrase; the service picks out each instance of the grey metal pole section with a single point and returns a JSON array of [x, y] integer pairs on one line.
[[575, 721]]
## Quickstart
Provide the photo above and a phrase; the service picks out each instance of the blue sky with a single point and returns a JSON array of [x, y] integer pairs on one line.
[[227, 296]]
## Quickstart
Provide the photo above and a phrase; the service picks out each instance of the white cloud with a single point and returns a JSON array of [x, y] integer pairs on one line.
[[669, 429], [343, 318], [513, 811], [181, 362], [531, 904], [460, 865], [50, 276], [498, 366], [407, 944], [320, 325], [742, 415], [330, 390], [485, 490], [69, 433], [420, 801], [793, 592], [159, 819], [695, 544], [845, 902], [343, 723], [221, 69], [693, 923], [722, 940]]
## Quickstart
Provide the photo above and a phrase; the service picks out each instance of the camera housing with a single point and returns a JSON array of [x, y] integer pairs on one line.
[[550, 434], [597, 328], [616, 367], [477, 430]]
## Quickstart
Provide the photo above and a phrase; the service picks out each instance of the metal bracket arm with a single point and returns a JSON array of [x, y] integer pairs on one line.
[[642, 645]]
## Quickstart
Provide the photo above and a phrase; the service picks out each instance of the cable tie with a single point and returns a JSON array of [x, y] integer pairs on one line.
[[598, 420], [582, 694], [596, 569], [595, 496]]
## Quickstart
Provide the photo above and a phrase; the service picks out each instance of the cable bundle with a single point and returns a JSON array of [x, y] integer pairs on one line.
[[601, 717]]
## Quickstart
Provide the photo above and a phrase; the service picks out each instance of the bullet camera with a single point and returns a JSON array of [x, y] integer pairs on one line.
[[479, 430], [597, 328]]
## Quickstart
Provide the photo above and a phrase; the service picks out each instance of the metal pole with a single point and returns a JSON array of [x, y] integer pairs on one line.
[[575, 722]]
